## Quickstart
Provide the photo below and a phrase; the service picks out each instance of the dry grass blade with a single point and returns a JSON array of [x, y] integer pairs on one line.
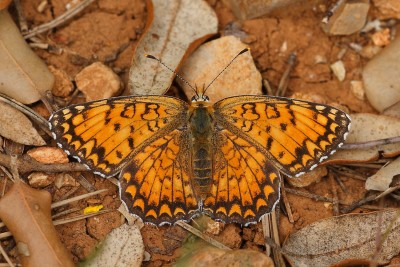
[[73, 199], [201, 235]]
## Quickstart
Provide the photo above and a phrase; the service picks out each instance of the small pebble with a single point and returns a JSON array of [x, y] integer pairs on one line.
[[40, 179], [381, 38], [339, 70], [48, 155], [357, 88], [349, 18], [98, 81]]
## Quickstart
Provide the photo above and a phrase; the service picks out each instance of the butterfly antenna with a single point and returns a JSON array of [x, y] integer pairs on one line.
[[241, 52], [176, 74]]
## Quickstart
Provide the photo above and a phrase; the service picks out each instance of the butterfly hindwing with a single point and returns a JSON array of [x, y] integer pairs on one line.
[[156, 185], [245, 186], [105, 134], [295, 135]]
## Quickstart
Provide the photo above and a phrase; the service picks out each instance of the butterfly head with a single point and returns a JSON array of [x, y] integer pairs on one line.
[[200, 96]]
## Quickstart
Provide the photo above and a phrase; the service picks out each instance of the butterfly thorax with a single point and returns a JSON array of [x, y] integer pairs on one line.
[[201, 129]]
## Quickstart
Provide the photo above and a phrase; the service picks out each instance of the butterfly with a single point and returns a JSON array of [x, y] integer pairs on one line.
[[177, 160]]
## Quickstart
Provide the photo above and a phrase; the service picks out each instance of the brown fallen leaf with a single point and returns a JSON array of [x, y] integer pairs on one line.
[[351, 236], [17, 127], [23, 75], [381, 180], [26, 213], [122, 247], [174, 29], [211, 256], [369, 127], [240, 78]]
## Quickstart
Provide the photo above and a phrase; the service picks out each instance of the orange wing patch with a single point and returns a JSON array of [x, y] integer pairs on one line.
[[245, 184], [156, 185], [105, 134], [295, 135]]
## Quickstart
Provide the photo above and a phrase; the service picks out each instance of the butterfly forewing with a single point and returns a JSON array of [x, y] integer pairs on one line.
[[295, 135], [105, 134]]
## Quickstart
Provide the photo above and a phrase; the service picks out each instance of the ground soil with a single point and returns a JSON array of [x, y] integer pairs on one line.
[[108, 31]]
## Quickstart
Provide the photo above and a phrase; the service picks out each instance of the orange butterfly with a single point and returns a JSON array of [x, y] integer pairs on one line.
[[178, 160]]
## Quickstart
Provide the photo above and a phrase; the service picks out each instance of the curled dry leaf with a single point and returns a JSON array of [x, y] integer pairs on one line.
[[26, 213], [17, 127], [23, 75], [369, 127], [381, 180], [123, 247], [352, 236], [174, 29], [240, 78]]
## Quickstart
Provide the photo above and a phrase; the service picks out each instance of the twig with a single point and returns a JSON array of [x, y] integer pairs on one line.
[[368, 144], [388, 191], [59, 20], [65, 212], [286, 202], [267, 231], [85, 183], [21, 18], [5, 256], [335, 202], [340, 183], [27, 164], [201, 235], [313, 196], [79, 217], [283, 83], [359, 203], [348, 173]]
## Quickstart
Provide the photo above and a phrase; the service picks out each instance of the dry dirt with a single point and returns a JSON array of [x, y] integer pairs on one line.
[[108, 31]]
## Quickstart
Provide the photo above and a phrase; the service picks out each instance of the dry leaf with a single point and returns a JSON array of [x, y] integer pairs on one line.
[[123, 247], [23, 75], [369, 127], [211, 256], [26, 213], [381, 180], [240, 78], [351, 236], [17, 127], [177, 28]]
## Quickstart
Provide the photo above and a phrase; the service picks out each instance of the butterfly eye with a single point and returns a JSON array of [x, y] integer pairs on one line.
[[206, 98], [194, 98]]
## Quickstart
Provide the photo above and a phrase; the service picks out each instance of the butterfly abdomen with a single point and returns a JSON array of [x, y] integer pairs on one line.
[[201, 127]]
